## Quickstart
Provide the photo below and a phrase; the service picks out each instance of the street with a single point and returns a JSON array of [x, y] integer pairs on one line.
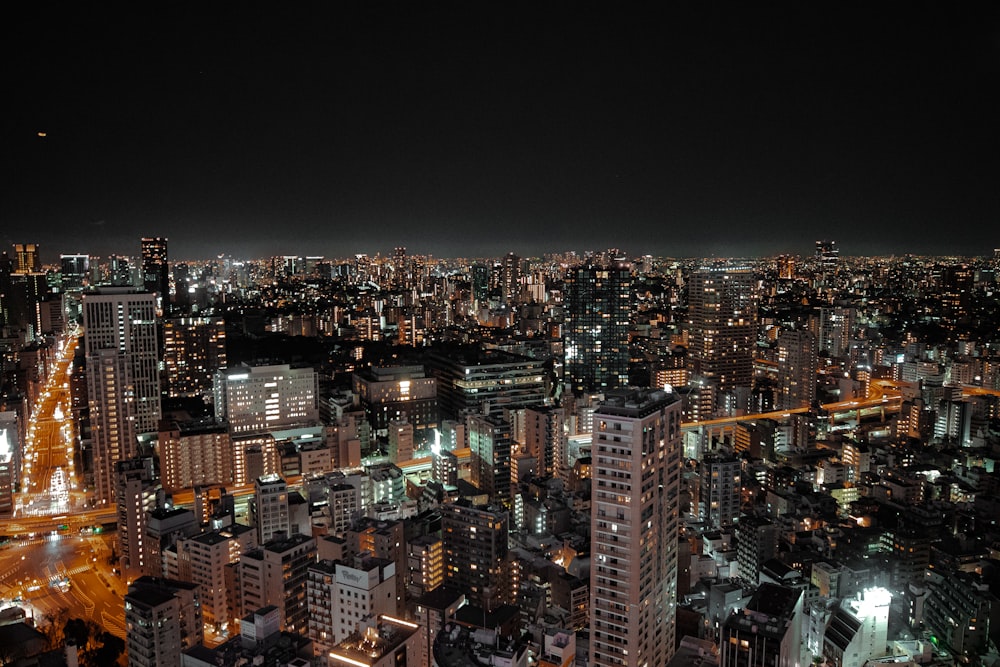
[[56, 574]]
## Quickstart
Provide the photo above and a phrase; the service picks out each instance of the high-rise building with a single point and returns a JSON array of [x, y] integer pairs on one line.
[[475, 552], [797, 362], [545, 439], [510, 278], [757, 542], [634, 527], [269, 510], [598, 307], [490, 443], [194, 350], [75, 271], [27, 258], [723, 326], [135, 495], [123, 378], [827, 260], [119, 271], [155, 269], [720, 490], [833, 327]]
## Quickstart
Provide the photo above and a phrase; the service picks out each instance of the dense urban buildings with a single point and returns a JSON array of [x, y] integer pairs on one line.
[[564, 460]]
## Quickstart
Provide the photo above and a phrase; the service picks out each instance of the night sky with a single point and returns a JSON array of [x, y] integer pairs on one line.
[[477, 128]]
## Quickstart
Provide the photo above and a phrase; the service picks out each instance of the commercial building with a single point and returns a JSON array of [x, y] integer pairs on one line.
[[194, 350], [598, 309]]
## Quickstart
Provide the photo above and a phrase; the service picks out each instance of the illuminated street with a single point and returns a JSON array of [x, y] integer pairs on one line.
[[49, 483]]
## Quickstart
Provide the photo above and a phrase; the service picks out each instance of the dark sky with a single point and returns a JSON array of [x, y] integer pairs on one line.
[[481, 127]]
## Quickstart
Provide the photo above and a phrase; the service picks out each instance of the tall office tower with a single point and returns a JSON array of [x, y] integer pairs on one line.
[[756, 543], [480, 274], [768, 632], [720, 490], [155, 269], [162, 617], [545, 439], [135, 494], [398, 392], [343, 599], [275, 574], [123, 378], [723, 326], [490, 442], [258, 399], [119, 271], [827, 259], [75, 271], [598, 307], [475, 552], [510, 278], [27, 258], [634, 527], [194, 350], [399, 267], [797, 363]]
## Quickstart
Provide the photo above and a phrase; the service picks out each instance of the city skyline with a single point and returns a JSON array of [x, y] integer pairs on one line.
[[456, 131]]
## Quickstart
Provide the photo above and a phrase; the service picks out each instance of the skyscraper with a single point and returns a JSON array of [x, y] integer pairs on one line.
[[27, 258], [194, 349], [490, 442], [634, 527], [797, 362], [155, 271], [598, 305], [475, 551], [123, 379], [75, 271], [723, 326]]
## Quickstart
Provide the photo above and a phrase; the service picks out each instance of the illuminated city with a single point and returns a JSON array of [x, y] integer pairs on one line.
[[432, 335]]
